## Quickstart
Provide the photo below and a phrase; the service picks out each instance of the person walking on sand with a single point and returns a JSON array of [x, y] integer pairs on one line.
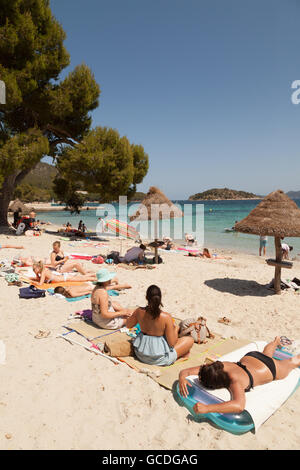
[[253, 369], [158, 342], [263, 241]]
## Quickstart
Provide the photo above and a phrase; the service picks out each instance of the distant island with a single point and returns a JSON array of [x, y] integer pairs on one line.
[[293, 194], [223, 193]]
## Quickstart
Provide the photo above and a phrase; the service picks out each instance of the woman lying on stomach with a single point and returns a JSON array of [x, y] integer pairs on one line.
[[158, 341], [255, 368], [87, 288]]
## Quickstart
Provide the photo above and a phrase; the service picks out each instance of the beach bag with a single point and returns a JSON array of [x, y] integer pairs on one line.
[[196, 328], [31, 292], [21, 228], [121, 347], [6, 268], [98, 260], [114, 255], [159, 260]]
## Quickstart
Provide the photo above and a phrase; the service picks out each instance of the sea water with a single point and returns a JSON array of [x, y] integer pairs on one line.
[[217, 216]]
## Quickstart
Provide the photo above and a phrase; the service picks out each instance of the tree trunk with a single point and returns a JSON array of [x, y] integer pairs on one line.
[[277, 278], [6, 193]]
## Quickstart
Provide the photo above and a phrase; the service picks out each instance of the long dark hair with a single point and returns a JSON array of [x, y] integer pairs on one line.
[[214, 376], [62, 291], [153, 297]]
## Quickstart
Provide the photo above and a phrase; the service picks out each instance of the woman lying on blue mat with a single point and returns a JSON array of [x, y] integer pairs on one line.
[[86, 289], [255, 368]]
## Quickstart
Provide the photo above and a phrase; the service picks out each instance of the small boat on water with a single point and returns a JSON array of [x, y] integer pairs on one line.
[[228, 230]]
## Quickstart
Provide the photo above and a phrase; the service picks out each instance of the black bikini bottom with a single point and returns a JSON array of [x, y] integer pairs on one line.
[[268, 361]]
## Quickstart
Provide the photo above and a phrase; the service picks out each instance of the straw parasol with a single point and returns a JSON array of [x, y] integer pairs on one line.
[[156, 206], [17, 204], [122, 229], [276, 216]]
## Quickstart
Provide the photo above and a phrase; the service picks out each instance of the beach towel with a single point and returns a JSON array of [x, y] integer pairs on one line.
[[191, 250], [81, 256], [111, 293], [57, 284], [166, 376]]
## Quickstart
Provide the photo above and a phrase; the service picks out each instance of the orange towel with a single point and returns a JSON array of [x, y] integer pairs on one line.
[[52, 285]]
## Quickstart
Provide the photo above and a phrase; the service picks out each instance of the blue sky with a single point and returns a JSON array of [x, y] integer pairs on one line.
[[204, 86]]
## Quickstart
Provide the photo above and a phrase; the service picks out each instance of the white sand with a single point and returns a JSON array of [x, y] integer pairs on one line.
[[57, 396]]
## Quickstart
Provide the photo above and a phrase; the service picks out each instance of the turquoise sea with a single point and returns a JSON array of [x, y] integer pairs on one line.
[[218, 215]]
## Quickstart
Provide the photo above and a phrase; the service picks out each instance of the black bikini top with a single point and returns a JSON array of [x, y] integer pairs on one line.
[[59, 258], [249, 375]]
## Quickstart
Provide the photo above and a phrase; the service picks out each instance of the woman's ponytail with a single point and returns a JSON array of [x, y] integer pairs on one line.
[[153, 297]]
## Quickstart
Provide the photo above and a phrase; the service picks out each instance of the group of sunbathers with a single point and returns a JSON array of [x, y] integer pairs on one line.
[[158, 341]]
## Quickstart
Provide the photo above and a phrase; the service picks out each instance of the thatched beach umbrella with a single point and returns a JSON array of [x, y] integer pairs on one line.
[[17, 204], [276, 216], [156, 206]]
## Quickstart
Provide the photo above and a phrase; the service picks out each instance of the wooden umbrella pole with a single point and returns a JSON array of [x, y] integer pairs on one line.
[[155, 239], [277, 278]]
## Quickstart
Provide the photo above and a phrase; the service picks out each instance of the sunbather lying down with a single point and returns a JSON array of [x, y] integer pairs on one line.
[[255, 368], [207, 254], [44, 274], [17, 247], [87, 288]]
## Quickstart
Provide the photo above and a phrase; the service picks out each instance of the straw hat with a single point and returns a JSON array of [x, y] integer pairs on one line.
[[103, 275]]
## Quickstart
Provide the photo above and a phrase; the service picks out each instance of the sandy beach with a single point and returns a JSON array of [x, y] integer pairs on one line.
[[58, 396]]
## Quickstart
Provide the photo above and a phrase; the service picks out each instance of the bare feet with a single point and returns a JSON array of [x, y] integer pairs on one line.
[[277, 342]]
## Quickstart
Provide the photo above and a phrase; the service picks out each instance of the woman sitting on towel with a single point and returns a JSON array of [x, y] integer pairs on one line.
[[158, 341], [105, 313], [255, 368], [62, 263], [44, 275], [86, 289]]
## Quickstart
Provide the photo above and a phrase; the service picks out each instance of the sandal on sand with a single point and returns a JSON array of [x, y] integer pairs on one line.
[[42, 334], [224, 320], [285, 341]]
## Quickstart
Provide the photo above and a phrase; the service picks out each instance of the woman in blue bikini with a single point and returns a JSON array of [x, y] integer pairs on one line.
[[255, 368]]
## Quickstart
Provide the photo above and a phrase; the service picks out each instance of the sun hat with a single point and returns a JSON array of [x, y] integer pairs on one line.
[[103, 275]]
